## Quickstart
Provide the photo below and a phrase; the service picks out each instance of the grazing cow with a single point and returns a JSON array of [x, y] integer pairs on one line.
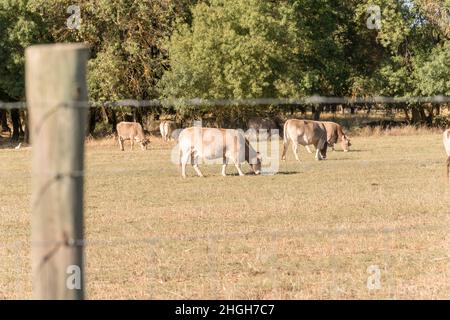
[[305, 132], [131, 131], [446, 139], [166, 127], [211, 143], [258, 124], [335, 134]]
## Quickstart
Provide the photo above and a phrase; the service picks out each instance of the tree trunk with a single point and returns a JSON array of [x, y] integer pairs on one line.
[[317, 112], [407, 118], [137, 115], [110, 115], [418, 115], [15, 119], [437, 110], [4, 121], [333, 109], [92, 122]]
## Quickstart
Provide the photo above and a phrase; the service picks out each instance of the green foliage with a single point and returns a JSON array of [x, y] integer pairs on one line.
[[20, 27], [432, 72], [125, 37], [255, 49]]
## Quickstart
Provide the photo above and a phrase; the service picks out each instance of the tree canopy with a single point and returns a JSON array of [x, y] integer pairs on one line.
[[238, 49]]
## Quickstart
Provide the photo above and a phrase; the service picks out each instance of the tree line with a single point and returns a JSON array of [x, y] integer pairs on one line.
[[235, 49]]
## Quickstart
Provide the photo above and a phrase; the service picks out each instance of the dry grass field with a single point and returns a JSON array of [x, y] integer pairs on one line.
[[310, 231]]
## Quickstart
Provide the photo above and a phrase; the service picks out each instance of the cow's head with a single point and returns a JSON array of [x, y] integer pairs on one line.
[[255, 164], [252, 157], [145, 143], [345, 143]]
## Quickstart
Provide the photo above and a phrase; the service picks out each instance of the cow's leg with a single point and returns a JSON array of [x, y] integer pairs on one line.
[[308, 149], [324, 151], [285, 146], [224, 167], [238, 167], [184, 160], [121, 144], [321, 151], [295, 150], [132, 143], [194, 162], [318, 155], [197, 169]]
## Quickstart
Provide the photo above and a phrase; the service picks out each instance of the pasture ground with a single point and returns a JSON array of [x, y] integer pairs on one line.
[[315, 230]]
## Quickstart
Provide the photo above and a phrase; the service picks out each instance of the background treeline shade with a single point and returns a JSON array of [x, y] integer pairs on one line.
[[237, 49]]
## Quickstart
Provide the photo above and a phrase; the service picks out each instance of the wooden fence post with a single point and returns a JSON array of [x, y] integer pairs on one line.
[[57, 101]]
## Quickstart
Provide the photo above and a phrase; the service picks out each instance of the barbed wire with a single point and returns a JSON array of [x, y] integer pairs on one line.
[[198, 102]]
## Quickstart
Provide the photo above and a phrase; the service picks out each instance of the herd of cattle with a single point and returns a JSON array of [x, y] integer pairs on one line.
[[233, 146]]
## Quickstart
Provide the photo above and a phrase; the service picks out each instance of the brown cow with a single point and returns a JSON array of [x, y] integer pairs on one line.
[[305, 132], [131, 131], [211, 143], [335, 134]]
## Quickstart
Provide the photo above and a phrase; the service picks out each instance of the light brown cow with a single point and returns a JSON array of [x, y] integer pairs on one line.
[[305, 132], [211, 144], [335, 133], [166, 127], [131, 131], [446, 140]]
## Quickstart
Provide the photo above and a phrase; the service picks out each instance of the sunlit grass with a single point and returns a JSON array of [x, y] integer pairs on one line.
[[310, 231]]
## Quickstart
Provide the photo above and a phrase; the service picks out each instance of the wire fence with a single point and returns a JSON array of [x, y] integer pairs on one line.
[[196, 102]]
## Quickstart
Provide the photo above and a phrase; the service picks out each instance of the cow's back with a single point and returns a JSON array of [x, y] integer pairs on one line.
[[129, 129], [310, 131], [299, 127], [333, 130], [211, 142]]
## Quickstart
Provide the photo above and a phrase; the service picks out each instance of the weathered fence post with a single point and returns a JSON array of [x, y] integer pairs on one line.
[[57, 101]]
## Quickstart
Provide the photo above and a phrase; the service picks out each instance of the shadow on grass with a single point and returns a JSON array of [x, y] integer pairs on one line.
[[286, 173]]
